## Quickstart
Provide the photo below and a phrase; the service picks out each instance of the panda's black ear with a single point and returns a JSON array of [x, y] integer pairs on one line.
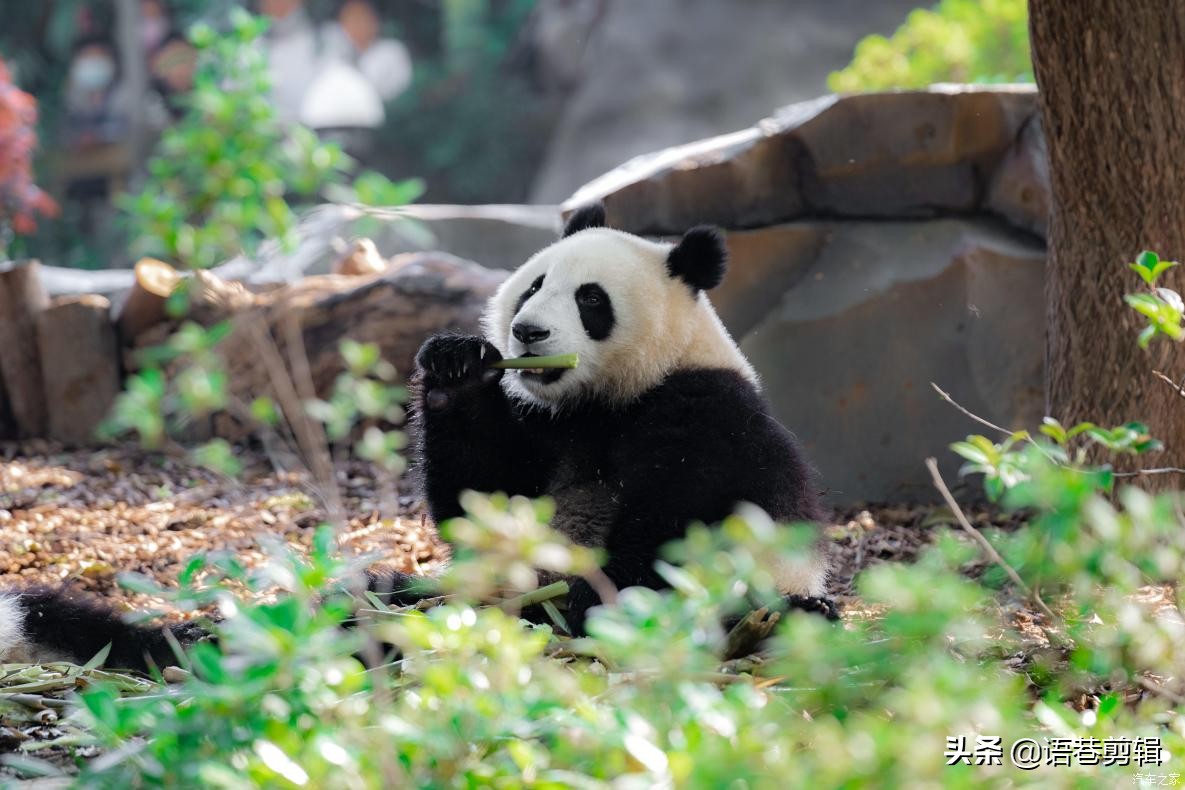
[[585, 217], [700, 258]]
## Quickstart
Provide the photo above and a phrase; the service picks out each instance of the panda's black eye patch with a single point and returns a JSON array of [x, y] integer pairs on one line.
[[527, 294], [596, 311]]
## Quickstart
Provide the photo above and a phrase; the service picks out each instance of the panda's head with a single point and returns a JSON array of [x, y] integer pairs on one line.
[[632, 309]]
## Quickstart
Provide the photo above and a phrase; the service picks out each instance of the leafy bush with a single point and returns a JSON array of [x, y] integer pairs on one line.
[[957, 41], [21, 201], [222, 177]]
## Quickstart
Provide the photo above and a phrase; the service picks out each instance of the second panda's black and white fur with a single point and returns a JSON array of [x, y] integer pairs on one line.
[[662, 424]]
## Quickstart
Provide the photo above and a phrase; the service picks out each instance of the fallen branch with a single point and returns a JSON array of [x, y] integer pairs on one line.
[[750, 632], [547, 593]]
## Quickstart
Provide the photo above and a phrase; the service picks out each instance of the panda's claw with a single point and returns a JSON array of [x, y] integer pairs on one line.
[[814, 603], [451, 361]]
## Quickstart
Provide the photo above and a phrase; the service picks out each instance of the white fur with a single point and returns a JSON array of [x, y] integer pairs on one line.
[[13, 646], [661, 325]]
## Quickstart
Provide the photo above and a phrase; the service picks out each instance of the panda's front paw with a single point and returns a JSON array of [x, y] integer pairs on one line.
[[190, 633], [450, 362]]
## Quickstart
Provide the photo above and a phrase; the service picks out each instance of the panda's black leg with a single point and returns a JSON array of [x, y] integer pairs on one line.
[[79, 627], [396, 588]]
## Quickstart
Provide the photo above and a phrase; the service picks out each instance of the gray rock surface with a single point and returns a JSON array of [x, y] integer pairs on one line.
[[878, 243], [847, 355], [665, 72], [896, 155]]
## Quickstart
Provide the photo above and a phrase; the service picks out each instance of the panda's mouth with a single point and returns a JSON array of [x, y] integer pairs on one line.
[[540, 375]]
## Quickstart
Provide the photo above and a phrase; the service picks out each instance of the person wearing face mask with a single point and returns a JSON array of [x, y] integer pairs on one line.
[[92, 104]]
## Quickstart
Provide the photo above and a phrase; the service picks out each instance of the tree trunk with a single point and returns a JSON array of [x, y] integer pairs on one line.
[[80, 362], [1113, 104], [22, 298]]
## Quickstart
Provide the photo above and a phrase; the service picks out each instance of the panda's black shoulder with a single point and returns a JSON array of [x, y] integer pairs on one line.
[[703, 388], [704, 403]]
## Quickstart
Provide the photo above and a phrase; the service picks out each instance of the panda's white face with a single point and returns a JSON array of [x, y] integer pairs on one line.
[[610, 298]]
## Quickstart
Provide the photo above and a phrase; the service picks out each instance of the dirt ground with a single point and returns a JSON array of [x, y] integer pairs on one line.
[[80, 518]]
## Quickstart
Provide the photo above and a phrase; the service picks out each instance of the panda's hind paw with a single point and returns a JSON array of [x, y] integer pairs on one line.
[[813, 603]]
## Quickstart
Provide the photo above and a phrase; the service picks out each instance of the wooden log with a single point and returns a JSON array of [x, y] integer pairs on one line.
[[7, 423], [22, 298], [144, 306], [396, 310], [80, 363], [362, 258]]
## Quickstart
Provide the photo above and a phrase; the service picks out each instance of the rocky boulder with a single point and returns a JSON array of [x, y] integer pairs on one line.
[[868, 315], [664, 72], [879, 243], [913, 154]]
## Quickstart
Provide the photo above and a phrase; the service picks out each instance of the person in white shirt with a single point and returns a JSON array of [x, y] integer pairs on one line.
[[291, 42], [354, 39]]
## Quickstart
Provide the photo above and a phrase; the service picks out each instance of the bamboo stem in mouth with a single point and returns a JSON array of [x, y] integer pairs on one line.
[[538, 363]]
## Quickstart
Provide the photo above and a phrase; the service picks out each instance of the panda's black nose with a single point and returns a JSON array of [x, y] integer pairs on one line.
[[529, 333]]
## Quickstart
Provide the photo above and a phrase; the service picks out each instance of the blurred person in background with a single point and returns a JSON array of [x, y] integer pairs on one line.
[[358, 72], [97, 107], [172, 67], [156, 25], [292, 54], [354, 38]]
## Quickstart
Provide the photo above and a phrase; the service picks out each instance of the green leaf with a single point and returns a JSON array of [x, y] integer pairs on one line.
[[970, 452], [264, 410], [1054, 430]]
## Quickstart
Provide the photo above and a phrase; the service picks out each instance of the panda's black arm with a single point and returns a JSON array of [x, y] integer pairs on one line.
[[470, 435]]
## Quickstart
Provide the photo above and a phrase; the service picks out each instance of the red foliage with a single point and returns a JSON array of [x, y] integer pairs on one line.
[[20, 199]]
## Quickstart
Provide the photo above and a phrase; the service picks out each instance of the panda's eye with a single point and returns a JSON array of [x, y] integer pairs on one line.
[[590, 299]]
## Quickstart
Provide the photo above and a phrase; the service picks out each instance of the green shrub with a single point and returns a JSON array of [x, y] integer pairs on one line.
[[957, 41], [223, 177]]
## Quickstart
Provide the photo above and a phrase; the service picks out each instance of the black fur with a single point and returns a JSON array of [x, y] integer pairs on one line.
[[80, 627], [700, 258], [596, 311], [631, 478], [585, 217], [527, 294]]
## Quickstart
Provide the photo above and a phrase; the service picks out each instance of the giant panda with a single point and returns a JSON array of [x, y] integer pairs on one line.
[[661, 425]]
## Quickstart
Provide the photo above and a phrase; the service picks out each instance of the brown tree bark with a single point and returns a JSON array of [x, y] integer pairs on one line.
[[1113, 104], [22, 298], [80, 363]]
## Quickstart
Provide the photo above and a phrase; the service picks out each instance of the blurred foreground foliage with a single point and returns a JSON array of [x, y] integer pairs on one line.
[[956, 41], [469, 695]]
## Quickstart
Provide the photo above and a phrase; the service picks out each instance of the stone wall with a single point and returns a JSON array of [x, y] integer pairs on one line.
[[879, 243]]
